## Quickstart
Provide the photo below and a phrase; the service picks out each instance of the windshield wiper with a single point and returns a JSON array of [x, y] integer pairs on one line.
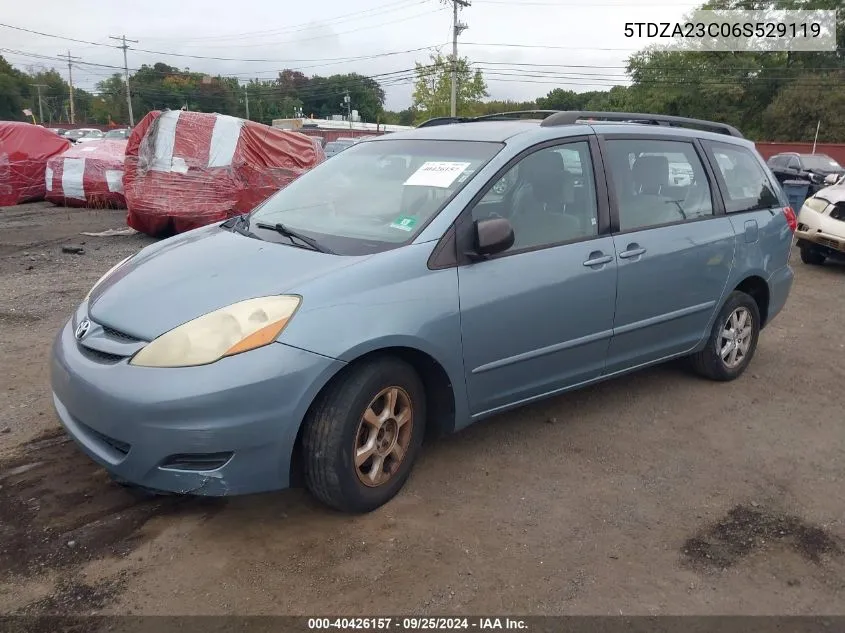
[[280, 228], [240, 224]]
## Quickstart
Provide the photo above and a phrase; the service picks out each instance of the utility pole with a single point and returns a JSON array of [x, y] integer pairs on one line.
[[70, 82], [457, 29], [40, 104], [125, 46], [347, 101], [246, 99]]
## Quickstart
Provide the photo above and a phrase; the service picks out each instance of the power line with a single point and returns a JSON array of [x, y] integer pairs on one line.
[[231, 59], [333, 60], [299, 28], [297, 41], [304, 26]]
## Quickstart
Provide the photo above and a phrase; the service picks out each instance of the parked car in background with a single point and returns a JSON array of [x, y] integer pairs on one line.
[[814, 167], [335, 147], [121, 134], [90, 135], [81, 133], [821, 225], [57, 130], [417, 283]]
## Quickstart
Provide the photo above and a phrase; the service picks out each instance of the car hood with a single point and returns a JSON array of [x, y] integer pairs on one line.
[[184, 277], [834, 193]]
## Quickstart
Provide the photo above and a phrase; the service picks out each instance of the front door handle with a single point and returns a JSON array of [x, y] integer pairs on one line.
[[597, 258], [634, 250]]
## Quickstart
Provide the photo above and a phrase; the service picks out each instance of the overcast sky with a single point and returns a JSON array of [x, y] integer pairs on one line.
[[580, 43]]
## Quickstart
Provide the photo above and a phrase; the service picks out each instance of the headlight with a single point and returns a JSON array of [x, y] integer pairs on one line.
[[816, 204], [103, 278], [231, 330]]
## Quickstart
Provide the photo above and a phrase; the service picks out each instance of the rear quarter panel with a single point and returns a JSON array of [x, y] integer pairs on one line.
[[763, 245], [763, 238]]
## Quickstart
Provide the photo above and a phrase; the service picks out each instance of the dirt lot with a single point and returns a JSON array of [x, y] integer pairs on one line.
[[655, 493]]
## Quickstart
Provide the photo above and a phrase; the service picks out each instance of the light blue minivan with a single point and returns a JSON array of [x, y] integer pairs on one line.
[[419, 282]]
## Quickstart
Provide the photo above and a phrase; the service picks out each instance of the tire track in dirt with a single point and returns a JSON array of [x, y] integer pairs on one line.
[[59, 511]]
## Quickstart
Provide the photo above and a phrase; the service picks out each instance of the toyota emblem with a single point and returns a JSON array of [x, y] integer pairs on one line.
[[82, 328]]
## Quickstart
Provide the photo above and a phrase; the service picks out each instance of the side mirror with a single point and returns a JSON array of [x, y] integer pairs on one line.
[[832, 179], [492, 236]]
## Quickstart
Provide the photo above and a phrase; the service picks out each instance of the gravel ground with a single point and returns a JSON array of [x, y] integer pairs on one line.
[[656, 493]]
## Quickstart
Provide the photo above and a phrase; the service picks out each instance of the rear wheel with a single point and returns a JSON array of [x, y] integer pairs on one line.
[[812, 256], [361, 438], [732, 340]]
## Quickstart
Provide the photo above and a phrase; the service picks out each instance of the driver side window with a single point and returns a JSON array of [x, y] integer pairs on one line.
[[549, 197]]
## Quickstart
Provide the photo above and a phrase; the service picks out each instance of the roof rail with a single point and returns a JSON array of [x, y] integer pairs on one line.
[[515, 114], [573, 116], [444, 120], [498, 116]]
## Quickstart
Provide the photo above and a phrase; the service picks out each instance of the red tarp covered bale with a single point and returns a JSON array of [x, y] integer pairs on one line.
[[24, 151], [184, 170], [88, 174]]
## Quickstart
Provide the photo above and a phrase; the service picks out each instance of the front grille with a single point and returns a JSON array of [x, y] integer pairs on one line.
[[120, 447], [197, 461], [100, 357], [119, 335]]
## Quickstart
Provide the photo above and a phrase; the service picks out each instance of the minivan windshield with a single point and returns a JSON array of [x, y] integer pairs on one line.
[[375, 195]]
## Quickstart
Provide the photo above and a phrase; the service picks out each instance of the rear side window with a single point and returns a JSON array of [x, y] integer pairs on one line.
[[747, 186], [657, 182]]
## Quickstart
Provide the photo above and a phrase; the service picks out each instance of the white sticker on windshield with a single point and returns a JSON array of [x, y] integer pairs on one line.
[[436, 174]]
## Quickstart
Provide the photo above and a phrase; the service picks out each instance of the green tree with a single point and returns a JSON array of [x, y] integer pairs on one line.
[[734, 87], [432, 88], [323, 96], [794, 117], [13, 88]]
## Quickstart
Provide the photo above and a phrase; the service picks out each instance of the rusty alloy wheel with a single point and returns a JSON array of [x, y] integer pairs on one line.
[[383, 436]]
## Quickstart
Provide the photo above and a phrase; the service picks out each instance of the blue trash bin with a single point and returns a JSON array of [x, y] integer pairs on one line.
[[797, 191]]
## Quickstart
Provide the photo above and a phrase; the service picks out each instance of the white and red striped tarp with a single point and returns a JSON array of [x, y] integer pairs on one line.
[[88, 174], [184, 170]]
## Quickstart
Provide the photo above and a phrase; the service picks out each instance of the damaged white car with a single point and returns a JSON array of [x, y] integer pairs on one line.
[[821, 225]]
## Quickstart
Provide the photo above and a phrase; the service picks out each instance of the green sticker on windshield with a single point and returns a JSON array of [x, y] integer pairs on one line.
[[404, 223]]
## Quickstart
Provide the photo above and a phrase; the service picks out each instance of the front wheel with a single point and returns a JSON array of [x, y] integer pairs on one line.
[[732, 340], [362, 436], [812, 256]]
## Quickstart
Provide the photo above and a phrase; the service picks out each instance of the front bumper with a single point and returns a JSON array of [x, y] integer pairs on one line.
[[821, 229], [241, 415]]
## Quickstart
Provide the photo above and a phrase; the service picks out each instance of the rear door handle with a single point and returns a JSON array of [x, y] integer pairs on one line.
[[633, 251], [598, 259]]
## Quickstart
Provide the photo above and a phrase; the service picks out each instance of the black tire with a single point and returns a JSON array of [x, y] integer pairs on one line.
[[708, 362], [331, 432], [812, 256]]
